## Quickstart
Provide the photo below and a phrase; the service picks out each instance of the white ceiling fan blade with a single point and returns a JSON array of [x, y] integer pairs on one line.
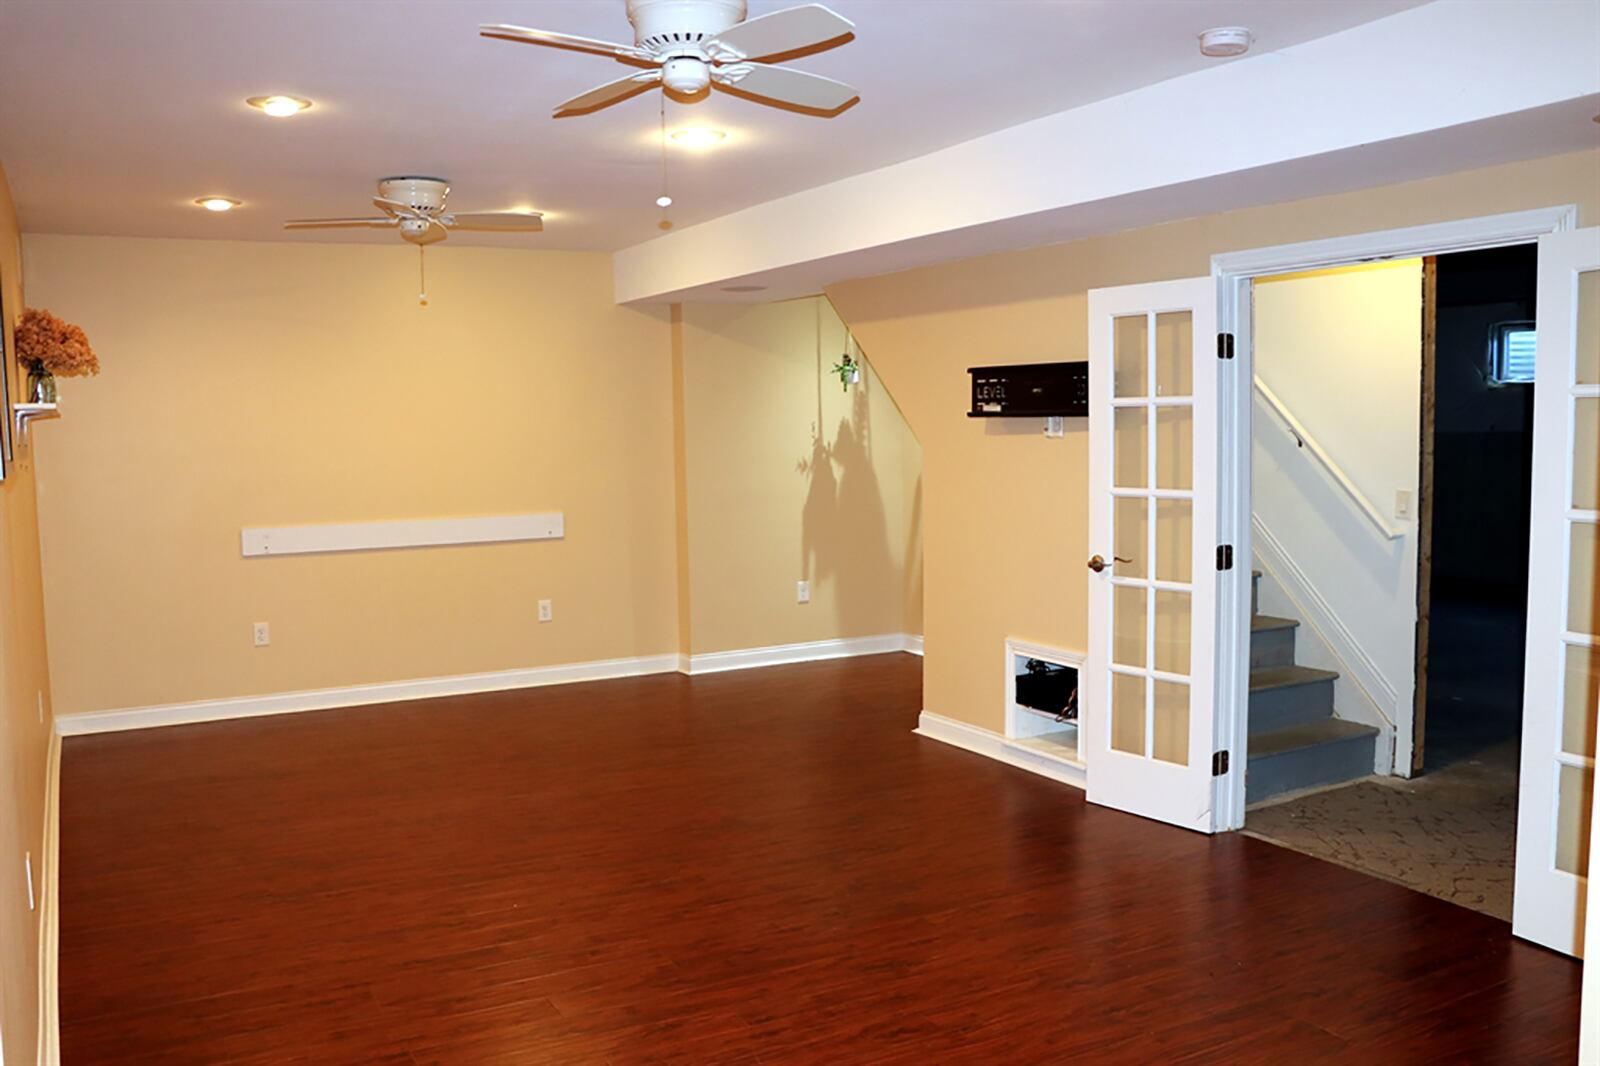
[[561, 40], [609, 93], [330, 223], [785, 85], [502, 221], [789, 30]]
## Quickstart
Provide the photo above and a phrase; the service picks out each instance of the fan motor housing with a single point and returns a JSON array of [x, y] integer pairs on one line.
[[663, 25], [417, 192]]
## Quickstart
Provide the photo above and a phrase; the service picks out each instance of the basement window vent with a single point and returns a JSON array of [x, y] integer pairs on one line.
[[1511, 351]]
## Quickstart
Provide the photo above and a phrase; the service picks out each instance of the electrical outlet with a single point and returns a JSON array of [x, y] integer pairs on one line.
[[802, 592], [27, 873], [1402, 503], [263, 634], [546, 612]]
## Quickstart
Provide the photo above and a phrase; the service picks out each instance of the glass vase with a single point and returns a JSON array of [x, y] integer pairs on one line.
[[41, 386]]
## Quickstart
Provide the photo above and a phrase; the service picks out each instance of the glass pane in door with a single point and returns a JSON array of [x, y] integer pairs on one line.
[[1130, 535], [1586, 453], [1588, 369], [1172, 632], [1174, 547], [1129, 632], [1169, 739], [1127, 713], [1581, 579], [1580, 697], [1130, 355], [1174, 447], [1131, 442], [1174, 353], [1575, 801]]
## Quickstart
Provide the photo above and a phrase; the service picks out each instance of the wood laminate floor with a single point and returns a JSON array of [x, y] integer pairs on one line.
[[761, 866]]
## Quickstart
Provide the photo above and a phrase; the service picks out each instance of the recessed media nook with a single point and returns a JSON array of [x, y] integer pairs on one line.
[[1042, 705]]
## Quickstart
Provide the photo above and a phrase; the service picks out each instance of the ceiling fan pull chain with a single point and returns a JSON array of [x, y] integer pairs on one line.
[[422, 275], [664, 201]]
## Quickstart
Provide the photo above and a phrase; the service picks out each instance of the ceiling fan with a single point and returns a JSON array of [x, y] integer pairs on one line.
[[687, 46], [416, 207]]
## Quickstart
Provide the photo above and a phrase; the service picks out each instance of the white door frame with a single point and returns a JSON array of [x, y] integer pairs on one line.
[[1234, 273]]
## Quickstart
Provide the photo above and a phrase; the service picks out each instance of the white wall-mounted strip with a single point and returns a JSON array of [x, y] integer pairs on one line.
[[405, 533]]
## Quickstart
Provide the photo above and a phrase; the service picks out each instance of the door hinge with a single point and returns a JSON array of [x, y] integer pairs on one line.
[[1224, 556], [1224, 346], [1219, 763]]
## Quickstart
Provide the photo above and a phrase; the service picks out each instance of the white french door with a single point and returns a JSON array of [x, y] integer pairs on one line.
[[1150, 718], [1562, 680]]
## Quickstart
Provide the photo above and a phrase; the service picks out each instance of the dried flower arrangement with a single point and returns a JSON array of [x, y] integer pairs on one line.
[[47, 344]]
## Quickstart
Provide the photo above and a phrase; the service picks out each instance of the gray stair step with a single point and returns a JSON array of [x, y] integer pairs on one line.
[[1288, 695], [1271, 641], [1304, 756]]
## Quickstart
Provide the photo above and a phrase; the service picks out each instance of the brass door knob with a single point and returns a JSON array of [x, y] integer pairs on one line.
[[1098, 563]]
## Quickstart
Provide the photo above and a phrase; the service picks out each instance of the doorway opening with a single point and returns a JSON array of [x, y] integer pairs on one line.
[[1394, 566]]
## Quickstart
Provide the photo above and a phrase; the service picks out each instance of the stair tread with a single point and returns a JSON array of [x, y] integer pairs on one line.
[[1283, 676], [1310, 734], [1260, 622]]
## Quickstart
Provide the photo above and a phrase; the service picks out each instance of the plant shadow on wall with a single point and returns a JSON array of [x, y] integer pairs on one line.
[[844, 532]]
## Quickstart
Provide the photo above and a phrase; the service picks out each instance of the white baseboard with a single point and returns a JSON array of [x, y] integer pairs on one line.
[[986, 742], [355, 695], [111, 721], [778, 654], [49, 1047], [914, 643]]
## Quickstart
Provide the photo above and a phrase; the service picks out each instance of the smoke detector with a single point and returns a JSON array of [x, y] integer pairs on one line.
[[1223, 41]]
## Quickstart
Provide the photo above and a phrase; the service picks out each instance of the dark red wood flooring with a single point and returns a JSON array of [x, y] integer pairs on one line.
[[764, 866]]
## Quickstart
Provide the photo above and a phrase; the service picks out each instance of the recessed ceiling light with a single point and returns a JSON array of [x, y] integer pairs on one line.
[[663, 201], [278, 105], [1224, 41], [217, 203], [698, 137]]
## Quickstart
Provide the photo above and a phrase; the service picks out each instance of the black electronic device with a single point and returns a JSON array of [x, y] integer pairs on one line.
[[1030, 390]]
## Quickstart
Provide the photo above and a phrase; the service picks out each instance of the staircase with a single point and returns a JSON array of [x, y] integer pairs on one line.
[[1295, 741]]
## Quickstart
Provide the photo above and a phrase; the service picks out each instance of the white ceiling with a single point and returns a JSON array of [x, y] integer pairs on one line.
[[115, 114]]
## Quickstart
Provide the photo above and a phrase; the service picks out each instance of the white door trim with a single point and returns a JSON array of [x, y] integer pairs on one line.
[[1234, 273]]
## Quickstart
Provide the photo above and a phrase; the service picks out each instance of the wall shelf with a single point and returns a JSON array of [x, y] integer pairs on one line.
[[26, 413]]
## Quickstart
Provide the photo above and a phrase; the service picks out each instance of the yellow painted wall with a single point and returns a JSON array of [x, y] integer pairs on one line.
[[1004, 525], [24, 729], [789, 478], [250, 384]]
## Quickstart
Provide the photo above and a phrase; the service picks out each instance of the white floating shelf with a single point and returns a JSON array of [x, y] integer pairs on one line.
[[25, 413], [404, 533]]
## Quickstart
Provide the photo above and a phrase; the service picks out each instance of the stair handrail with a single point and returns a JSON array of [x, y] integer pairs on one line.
[[1304, 438]]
